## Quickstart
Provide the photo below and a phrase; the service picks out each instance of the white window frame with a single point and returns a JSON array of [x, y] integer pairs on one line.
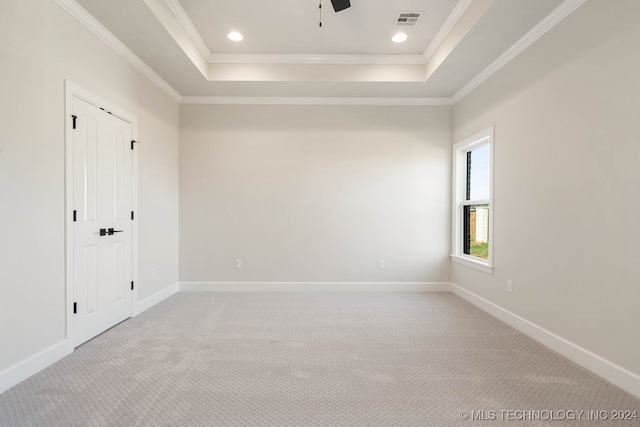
[[459, 195]]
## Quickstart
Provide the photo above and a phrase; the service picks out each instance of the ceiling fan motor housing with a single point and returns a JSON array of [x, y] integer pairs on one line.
[[339, 5]]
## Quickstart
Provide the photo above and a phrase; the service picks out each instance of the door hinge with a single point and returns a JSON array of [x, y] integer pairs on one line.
[[132, 285], [75, 216], [74, 121], [133, 141], [75, 308], [132, 216]]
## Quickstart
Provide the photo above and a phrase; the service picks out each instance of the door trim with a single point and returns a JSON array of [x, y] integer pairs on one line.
[[73, 90]]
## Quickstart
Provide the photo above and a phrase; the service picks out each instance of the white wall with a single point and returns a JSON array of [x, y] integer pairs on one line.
[[567, 143], [41, 46], [314, 193]]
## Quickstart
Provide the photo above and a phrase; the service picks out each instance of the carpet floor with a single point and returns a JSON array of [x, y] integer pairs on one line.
[[300, 359]]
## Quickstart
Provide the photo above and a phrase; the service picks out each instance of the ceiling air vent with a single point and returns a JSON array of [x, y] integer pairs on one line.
[[408, 19]]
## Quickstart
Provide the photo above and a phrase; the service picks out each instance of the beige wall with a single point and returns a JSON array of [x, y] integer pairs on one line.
[[41, 46], [314, 193], [567, 143]]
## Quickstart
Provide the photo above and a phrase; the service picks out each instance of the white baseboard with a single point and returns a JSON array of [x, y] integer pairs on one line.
[[156, 298], [315, 286], [617, 375], [34, 364]]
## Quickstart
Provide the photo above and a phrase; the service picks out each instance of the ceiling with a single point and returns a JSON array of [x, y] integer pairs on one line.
[[291, 26], [285, 54]]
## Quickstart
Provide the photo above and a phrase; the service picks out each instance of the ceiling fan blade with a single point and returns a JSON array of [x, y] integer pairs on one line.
[[339, 5]]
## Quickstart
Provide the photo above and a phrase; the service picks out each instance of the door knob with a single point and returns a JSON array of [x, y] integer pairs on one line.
[[109, 232]]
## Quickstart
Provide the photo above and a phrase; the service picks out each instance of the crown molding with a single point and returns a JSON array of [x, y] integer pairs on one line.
[[188, 25], [92, 24], [554, 18], [240, 58], [272, 100], [458, 10]]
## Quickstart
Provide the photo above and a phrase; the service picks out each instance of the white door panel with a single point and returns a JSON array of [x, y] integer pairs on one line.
[[102, 199]]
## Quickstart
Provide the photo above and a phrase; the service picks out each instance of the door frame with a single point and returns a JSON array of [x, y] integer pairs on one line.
[[73, 90]]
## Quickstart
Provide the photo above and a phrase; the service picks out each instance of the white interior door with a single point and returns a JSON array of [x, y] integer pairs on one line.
[[102, 228]]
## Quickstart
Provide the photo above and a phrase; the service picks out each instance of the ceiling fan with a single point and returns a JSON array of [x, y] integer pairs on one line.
[[339, 5]]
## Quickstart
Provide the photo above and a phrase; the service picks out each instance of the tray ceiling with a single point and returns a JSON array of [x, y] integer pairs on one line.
[[285, 54]]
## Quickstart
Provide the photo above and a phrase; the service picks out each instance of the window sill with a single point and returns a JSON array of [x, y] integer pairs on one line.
[[473, 263]]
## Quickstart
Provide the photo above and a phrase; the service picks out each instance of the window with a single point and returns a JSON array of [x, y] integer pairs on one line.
[[472, 196]]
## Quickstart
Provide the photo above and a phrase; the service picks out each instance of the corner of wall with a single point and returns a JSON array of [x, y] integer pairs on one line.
[[158, 297]]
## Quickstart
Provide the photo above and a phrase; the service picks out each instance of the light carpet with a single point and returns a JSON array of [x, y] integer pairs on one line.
[[301, 359]]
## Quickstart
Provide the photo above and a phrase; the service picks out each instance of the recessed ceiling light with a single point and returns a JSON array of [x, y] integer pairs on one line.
[[399, 38], [235, 36]]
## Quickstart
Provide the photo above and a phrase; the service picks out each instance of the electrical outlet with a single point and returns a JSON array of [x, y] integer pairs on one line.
[[153, 272], [380, 264], [238, 263], [509, 286]]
